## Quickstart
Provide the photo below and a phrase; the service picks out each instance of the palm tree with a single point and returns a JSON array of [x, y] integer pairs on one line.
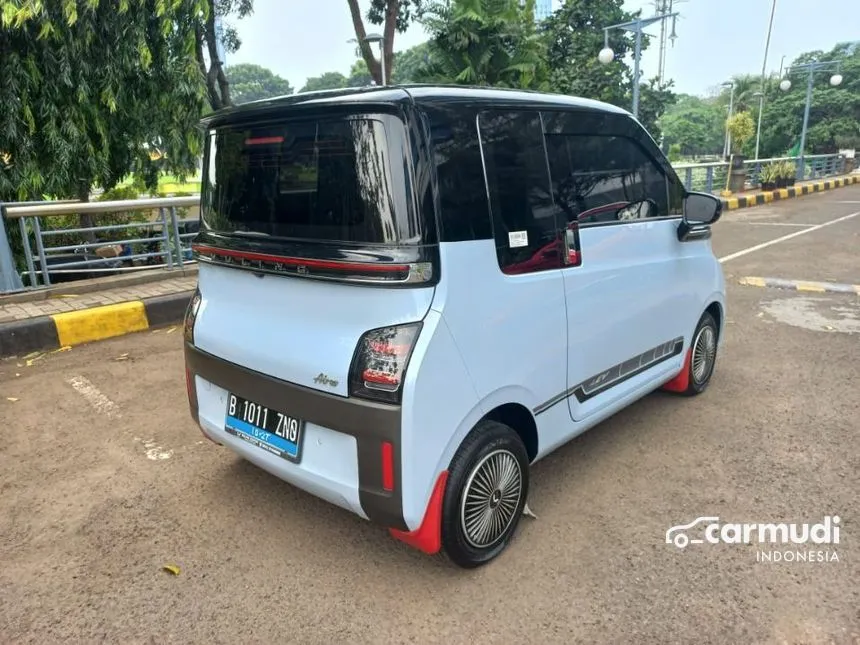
[[483, 42]]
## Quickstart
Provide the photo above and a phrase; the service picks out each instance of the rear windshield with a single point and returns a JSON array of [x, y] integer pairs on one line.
[[321, 180]]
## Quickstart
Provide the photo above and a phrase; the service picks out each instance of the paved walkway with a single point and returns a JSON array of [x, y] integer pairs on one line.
[[62, 303]]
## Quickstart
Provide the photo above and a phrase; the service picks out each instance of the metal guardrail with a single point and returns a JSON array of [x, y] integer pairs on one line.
[[713, 177], [132, 245], [160, 241]]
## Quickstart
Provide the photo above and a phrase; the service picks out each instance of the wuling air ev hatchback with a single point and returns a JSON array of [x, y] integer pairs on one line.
[[409, 295]]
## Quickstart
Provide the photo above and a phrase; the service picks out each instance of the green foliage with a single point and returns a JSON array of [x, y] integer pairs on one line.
[[675, 152], [741, 128], [834, 116], [328, 81], [574, 35], [91, 91], [483, 42], [253, 82], [408, 63], [695, 124], [654, 100]]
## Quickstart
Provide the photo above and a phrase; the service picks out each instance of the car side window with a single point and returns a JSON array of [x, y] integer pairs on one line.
[[460, 176], [598, 179], [524, 222]]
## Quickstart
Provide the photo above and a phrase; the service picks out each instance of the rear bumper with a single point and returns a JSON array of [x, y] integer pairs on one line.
[[342, 452]]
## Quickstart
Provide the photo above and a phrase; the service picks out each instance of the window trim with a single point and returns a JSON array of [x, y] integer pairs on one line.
[[647, 153]]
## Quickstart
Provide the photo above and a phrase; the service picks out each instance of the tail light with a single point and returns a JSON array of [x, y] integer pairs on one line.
[[379, 365], [191, 316]]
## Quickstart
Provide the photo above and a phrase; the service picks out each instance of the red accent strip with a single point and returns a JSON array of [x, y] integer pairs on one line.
[[428, 536], [316, 264], [682, 381], [258, 141], [387, 466]]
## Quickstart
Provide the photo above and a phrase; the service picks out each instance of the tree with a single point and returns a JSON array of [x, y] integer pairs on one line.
[[834, 115], [328, 81], [483, 42], [695, 124], [408, 63], [253, 82], [210, 30], [573, 37], [93, 90], [741, 129], [394, 16], [654, 99]]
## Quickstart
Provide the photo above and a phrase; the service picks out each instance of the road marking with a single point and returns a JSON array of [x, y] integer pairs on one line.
[[778, 224], [801, 285], [93, 395], [764, 245]]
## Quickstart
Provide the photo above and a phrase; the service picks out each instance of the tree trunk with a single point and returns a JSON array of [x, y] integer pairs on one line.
[[217, 85], [388, 32], [392, 8], [360, 34], [86, 219], [211, 89]]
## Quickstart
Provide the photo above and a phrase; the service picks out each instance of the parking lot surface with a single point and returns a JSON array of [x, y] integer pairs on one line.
[[105, 480]]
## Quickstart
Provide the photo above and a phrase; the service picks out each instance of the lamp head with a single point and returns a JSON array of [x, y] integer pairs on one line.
[[606, 55]]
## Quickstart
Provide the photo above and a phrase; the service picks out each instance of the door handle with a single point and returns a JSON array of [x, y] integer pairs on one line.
[[571, 254]]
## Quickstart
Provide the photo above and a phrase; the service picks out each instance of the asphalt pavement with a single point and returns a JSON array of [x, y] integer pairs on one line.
[[105, 480]]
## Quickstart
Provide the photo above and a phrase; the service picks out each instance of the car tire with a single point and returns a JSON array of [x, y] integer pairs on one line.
[[487, 489], [703, 357]]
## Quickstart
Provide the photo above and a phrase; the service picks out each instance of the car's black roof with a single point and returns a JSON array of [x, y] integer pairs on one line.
[[417, 93]]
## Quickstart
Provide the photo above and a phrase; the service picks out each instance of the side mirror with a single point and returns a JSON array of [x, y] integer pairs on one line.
[[702, 208], [700, 211]]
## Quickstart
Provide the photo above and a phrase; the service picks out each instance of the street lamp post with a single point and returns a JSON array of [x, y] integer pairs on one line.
[[727, 141], [785, 85], [606, 54], [378, 38], [763, 72]]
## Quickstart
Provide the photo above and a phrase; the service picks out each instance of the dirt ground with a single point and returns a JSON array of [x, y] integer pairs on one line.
[[105, 479]]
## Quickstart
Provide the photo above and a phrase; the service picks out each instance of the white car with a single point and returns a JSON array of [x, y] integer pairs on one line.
[[409, 295]]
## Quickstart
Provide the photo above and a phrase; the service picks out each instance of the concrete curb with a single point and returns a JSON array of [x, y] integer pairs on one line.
[[746, 201], [801, 285], [45, 333]]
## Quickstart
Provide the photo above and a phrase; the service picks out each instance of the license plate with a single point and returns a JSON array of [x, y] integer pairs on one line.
[[269, 430]]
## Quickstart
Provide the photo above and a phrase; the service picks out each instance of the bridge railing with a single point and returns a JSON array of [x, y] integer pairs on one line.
[[144, 234], [713, 177], [152, 233]]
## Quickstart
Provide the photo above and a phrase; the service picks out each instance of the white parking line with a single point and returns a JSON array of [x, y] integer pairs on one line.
[[778, 224], [764, 245], [91, 393]]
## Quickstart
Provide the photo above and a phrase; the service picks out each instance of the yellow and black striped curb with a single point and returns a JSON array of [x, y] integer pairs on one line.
[[745, 201], [801, 285], [44, 333]]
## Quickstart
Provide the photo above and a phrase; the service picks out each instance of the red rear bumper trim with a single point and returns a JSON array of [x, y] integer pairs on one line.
[[428, 536]]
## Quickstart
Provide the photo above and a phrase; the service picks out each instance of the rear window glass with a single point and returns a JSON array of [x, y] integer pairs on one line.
[[322, 180]]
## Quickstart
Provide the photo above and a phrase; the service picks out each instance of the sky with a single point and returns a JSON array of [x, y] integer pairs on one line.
[[298, 39]]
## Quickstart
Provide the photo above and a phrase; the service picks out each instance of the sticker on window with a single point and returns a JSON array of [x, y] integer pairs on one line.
[[517, 239]]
